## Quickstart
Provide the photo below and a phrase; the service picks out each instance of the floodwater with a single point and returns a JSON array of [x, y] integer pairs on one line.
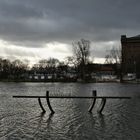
[[21, 119]]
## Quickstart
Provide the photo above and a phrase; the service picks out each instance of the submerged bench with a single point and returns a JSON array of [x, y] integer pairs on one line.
[[94, 97]]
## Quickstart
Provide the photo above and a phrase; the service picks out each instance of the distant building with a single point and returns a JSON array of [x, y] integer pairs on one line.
[[130, 54]]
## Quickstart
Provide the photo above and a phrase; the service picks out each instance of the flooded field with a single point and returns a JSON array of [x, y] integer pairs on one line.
[[22, 118]]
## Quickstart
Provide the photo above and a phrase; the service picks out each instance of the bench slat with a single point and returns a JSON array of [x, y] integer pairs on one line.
[[76, 97]]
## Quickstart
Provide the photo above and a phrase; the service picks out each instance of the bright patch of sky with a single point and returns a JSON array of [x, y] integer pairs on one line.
[[52, 50]]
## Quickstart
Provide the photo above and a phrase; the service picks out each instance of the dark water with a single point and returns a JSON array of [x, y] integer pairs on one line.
[[21, 119]]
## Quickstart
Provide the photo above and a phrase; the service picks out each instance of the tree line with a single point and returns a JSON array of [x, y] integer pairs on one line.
[[78, 64]]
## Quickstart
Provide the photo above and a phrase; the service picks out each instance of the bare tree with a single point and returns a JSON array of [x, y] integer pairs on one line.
[[17, 63], [70, 61], [114, 56], [52, 63], [5, 68], [108, 59], [43, 63], [81, 50]]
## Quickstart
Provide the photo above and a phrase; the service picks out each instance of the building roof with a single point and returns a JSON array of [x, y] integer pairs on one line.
[[135, 39]]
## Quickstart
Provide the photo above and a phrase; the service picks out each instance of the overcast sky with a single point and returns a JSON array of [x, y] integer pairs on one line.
[[37, 29]]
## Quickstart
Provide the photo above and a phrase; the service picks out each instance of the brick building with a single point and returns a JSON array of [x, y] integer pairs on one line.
[[130, 54]]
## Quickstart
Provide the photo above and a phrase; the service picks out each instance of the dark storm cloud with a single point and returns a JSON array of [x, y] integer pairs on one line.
[[33, 22]]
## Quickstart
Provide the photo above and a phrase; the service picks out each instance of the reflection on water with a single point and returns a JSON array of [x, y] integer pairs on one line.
[[22, 118]]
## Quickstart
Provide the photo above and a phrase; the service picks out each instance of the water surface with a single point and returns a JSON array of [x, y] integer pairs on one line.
[[22, 118]]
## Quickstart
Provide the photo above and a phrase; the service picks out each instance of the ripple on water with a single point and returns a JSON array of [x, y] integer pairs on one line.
[[22, 119]]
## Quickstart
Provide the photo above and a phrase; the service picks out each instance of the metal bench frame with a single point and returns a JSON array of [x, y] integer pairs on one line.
[[94, 97]]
